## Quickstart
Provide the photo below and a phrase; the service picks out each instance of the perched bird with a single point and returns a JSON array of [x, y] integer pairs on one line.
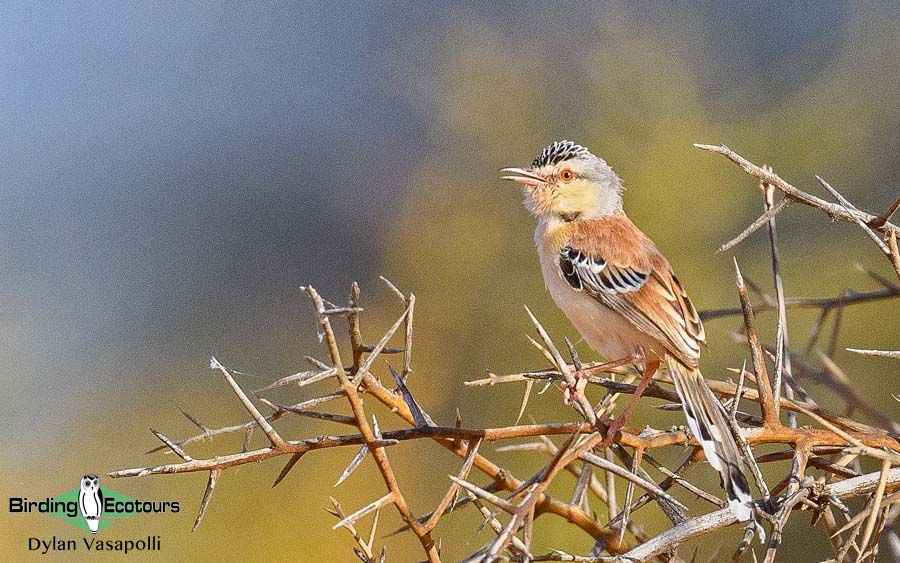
[[619, 291]]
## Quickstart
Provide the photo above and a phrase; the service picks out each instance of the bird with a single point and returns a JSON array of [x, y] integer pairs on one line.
[[620, 293]]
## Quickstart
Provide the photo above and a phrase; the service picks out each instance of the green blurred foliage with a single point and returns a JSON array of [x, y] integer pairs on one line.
[[638, 85]]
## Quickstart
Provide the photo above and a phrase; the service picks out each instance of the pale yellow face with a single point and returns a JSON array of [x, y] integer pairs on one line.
[[567, 193], [566, 182]]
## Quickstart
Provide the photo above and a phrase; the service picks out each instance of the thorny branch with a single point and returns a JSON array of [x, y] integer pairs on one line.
[[824, 453]]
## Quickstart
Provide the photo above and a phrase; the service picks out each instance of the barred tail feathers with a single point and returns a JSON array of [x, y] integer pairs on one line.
[[707, 422]]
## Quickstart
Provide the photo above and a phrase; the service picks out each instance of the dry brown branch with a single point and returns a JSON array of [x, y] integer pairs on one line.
[[822, 303], [824, 453], [766, 218], [702, 525], [628, 437], [365, 552], [461, 440], [370, 434], [782, 358], [834, 211], [883, 353], [563, 367], [766, 400]]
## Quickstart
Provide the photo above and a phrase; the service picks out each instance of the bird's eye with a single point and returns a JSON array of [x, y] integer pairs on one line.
[[566, 175]]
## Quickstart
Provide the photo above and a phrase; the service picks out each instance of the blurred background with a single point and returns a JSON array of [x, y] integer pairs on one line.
[[170, 175]]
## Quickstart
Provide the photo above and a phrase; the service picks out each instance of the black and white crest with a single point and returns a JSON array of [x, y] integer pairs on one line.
[[558, 152]]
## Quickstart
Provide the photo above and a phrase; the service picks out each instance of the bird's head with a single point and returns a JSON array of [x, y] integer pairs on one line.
[[568, 182]]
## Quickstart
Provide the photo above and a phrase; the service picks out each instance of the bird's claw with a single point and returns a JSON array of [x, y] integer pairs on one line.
[[613, 427], [574, 393]]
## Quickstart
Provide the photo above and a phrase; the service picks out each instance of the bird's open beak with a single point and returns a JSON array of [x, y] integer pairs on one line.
[[524, 177]]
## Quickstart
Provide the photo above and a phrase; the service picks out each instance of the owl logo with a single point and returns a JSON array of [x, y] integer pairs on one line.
[[90, 501]]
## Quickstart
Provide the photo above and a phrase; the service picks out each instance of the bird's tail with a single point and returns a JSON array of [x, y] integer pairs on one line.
[[706, 420]]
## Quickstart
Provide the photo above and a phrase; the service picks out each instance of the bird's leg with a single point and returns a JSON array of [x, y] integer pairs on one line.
[[609, 366], [583, 375], [650, 368]]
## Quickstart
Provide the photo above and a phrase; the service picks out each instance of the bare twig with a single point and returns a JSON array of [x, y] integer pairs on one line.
[[378, 452], [277, 441], [876, 504], [850, 208], [823, 303], [895, 252], [834, 211], [563, 367], [770, 416], [172, 445], [767, 217], [883, 353], [782, 359], [886, 216], [451, 493], [207, 495], [707, 523]]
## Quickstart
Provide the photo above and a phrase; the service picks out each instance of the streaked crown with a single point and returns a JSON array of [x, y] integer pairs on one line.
[[568, 182], [560, 151]]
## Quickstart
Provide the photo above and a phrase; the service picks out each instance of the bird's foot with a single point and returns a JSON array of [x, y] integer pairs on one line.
[[616, 425], [573, 393], [613, 427]]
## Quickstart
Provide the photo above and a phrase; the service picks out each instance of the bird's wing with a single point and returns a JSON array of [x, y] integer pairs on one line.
[[617, 264]]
